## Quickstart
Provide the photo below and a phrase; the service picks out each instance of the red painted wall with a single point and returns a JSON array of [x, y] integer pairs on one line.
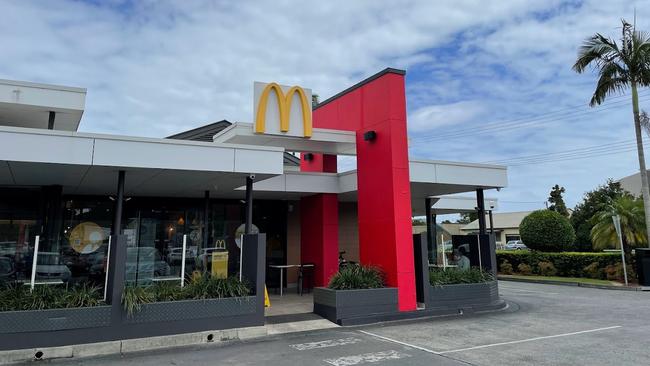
[[319, 235], [384, 196], [319, 223]]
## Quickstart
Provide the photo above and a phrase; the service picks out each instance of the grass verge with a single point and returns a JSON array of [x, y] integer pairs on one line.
[[588, 281]]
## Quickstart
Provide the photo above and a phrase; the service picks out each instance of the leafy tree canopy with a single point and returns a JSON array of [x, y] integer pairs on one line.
[[592, 203], [557, 201]]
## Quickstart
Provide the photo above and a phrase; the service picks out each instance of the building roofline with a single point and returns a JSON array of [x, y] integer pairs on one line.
[[388, 70], [30, 84]]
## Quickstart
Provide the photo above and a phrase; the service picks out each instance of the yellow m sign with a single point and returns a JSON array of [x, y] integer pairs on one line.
[[284, 108]]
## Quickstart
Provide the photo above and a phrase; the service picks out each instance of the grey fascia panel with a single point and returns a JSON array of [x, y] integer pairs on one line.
[[143, 154], [45, 148]]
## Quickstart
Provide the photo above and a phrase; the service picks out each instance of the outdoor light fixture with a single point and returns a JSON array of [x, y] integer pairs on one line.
[[370, 136], [309, 157]]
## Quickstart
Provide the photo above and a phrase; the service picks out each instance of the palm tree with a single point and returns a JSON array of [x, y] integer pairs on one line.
[[621, 67], [630, 210]]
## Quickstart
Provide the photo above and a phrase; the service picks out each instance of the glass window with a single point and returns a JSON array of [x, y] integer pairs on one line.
[[19, 225]]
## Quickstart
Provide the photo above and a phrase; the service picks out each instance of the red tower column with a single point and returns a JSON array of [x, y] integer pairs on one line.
[[319, 223], [384, 198]]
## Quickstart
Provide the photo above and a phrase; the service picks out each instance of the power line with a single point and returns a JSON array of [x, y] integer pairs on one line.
[[567, 153], [543, 161], [515, 124]]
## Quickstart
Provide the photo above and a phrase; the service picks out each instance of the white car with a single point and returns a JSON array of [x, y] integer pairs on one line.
[[49, 267], [515, 245]]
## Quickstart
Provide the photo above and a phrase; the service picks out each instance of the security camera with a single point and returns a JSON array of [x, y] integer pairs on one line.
[[251, 176], [498, 189]]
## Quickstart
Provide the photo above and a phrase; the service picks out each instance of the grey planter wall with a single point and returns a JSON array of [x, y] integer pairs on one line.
[[54, 319], [336, 305], [462, 295], [193, 309]]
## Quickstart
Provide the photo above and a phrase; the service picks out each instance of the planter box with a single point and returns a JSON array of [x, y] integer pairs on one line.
[[335, 305], [462, 295], [54, 319], [193, 309]]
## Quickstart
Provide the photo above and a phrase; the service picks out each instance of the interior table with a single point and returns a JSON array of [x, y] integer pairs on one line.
[[282, 267]]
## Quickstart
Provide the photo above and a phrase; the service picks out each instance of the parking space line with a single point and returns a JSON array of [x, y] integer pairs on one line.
[[325, 344], [400, 342], [367, 358], [531, 339]]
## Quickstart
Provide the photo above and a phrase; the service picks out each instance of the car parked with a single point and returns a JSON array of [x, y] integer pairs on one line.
[[50, 267], [515, 245]]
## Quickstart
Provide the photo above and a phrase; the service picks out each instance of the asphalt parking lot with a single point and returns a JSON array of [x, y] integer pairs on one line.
[[543, 325]]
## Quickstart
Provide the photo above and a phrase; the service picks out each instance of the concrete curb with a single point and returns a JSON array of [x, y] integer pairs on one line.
[[131, 345], [575, 284]]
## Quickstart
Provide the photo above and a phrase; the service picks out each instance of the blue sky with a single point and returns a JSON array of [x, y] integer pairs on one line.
[[486, 80]]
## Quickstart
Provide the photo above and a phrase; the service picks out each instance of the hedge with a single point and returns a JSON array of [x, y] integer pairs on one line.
[[547, 231], [567, 264]]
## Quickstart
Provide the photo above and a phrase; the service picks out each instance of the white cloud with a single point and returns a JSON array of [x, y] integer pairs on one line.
[[454, 114]]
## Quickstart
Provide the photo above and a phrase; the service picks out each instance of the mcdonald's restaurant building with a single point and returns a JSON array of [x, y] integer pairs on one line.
[[227, 198]]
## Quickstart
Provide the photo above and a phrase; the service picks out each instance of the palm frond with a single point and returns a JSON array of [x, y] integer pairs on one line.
[[613, 79], [596, 51]]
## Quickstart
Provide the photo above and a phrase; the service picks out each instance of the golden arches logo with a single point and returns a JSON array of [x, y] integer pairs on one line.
[[284, 107]]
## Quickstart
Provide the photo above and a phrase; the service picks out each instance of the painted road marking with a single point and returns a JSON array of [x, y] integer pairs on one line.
[[325, 344], [399, 342], [367, 358], [532, 339], [521, 290]]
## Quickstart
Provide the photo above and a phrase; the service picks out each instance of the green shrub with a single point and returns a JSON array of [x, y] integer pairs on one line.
[[594, 270], [547, 231], [524, 269], [614, 272], [200, 287], [17, 296], [354, 277], [134, 297], [546, 268], [567, 264], [505, 267], [452, 276]]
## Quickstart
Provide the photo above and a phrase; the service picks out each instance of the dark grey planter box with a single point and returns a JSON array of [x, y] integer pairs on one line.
[[193, 309], [336, 305], [54, 319], [463, 295]]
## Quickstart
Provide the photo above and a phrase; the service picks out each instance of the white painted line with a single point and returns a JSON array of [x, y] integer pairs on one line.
[[399, 342], [520, 290], [531, 339], [325, 344], [366, 358]]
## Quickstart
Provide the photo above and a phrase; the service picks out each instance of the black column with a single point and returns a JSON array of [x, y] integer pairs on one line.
[[480, 204], [119, 201], [50, 120], [249, 204], [491, 223], [431, 232], [206, 219]]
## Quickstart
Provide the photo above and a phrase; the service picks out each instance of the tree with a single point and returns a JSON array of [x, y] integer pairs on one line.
[[631, 212], [592, 202], [467, 217], [314, 100], [621, 67], [547, 231], [557, 202]]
